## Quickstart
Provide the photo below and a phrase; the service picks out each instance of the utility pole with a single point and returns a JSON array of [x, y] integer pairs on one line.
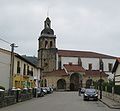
[[12, 65], [101, 70]]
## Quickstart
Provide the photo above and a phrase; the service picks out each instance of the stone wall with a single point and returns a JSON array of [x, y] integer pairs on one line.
[[6, 100]]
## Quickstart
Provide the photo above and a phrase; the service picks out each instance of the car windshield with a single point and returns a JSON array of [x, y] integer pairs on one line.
[[90, 91]]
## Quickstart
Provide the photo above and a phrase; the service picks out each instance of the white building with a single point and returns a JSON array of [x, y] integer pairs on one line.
[[25, 74], [116, 72], [88, 60]]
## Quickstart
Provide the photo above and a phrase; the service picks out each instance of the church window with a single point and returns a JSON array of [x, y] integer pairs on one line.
[[90, 66], [46, 44], [59, 64], [48, 32], [51, 44], [110, 65]]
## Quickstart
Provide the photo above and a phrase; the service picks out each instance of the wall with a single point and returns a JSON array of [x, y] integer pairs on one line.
[[93, 61], [106, 62], [67, 60], [4, 69], [20, 78], [87, 61], [118, 75]]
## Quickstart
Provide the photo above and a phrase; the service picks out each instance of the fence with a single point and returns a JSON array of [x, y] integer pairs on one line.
[[13, 96]]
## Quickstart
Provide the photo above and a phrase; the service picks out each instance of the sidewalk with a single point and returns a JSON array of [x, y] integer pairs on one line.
[[110, 103]]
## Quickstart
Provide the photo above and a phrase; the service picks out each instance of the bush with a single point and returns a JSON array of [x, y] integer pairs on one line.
[[1, 87], [109, 88], [117, 89]]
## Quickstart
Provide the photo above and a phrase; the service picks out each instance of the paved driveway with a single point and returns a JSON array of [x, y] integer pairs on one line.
[[59, 101]]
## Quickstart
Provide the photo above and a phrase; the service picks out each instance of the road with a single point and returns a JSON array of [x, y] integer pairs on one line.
[[59, 101]]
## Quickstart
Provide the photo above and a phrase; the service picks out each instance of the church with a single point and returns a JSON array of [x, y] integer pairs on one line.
[[70, 69]]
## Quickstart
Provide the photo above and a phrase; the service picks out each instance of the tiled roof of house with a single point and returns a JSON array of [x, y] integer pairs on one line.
[[59, 72], [85, 54], [31, 59], [74, 68], [95, 73]]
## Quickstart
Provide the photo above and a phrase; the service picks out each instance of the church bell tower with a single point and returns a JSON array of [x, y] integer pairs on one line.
[[47, 48]]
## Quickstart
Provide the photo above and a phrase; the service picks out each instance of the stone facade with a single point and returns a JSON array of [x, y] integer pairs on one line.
[[47, 48]]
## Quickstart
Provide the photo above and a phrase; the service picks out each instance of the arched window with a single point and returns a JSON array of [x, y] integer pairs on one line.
[[51, 44], [46, 44]]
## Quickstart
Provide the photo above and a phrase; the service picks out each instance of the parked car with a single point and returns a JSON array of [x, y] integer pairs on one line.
[[90, 94], [82, 90], [39, 92], [44, 90], [51, 89]]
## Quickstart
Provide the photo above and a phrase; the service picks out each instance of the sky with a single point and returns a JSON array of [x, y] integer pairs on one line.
[[83, 25]]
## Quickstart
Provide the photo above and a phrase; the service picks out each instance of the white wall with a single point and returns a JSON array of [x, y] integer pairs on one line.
[[87, 61], [4, 69], [93, 61], [106, 62], [67, 60]]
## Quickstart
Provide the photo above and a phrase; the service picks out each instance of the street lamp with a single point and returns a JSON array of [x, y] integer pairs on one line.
[[12, 65], [101, 70]]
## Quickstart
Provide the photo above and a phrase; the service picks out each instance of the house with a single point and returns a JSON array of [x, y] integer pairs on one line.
[[25, 72], [116, 72]]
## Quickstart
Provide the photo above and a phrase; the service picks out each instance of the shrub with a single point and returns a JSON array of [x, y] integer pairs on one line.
[[117, 89], [1, 87]]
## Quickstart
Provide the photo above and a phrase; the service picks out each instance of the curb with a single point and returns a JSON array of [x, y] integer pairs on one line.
[[111, 107]]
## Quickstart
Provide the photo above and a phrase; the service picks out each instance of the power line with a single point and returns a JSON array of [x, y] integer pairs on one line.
[[5, 41]]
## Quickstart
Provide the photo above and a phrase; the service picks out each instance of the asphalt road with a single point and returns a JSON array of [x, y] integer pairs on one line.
[[59, 101]]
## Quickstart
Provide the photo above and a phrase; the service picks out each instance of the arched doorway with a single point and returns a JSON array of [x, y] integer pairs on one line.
[[89, 83], [72, 86], [61, 84], [75, 81]]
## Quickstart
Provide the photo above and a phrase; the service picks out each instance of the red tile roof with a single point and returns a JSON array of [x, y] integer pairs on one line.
[[86, 54], [95, 73], [74, 68], [60, 72]]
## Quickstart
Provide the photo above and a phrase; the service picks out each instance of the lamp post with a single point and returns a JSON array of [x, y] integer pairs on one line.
[[101, 69], [12, 65]]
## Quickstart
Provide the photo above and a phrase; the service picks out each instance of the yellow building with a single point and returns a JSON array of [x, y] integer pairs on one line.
[[26, 73]]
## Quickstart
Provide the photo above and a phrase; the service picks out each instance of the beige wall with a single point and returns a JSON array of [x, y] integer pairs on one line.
[[52, 80]]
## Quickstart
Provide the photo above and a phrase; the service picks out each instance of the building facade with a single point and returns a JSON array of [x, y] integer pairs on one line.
[[70, 69], [116, 72], [25, 73]]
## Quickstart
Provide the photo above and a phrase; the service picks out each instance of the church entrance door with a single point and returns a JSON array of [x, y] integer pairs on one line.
[[61, 84]]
